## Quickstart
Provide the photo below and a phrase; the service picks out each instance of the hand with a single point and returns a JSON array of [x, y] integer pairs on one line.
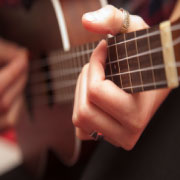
[[102, 106], [13, 75]]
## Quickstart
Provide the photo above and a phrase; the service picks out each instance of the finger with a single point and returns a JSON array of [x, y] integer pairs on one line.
[[89, 118], [12, 93], [115, 102], [109, 20], [82, 96], [12, 71], [97, 62], [79, 132], [8, 51], [76, 98], [94, 119], [9, 119], [105, 94]]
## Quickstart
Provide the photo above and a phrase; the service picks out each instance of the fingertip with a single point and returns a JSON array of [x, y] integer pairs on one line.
[[100, 51], [102, 44], [93, 26]]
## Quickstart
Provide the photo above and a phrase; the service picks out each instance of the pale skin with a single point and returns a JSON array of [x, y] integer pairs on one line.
[[13, 76], [102, 106]]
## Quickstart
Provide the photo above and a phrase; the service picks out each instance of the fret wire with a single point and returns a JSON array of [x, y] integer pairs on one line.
[[78, 60], [137, 38], [150, 56], [117, 55], [74, 65], [142, 87], [159, 49], [59, 66], [88, 54], [62, 79], [85, 55], [82, 56], [108, 58], [93, 45], [69, 55], [140, 54], [128, 63]]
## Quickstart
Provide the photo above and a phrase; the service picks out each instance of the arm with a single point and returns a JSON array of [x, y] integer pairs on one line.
[[99, 104]]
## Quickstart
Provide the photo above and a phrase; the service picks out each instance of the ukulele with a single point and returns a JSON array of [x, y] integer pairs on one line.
[[138, 61]]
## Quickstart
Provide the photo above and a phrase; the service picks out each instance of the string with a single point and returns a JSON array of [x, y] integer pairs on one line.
[[68, 56], [160, 66], [59, 73], [59, 57], [55, 74], [58, 86], [64, 56], [60, 98]]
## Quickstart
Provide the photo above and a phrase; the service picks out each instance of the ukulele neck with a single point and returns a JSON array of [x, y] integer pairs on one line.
[[138, 61]]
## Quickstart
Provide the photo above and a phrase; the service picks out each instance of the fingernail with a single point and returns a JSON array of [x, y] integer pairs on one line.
[[90, 17]]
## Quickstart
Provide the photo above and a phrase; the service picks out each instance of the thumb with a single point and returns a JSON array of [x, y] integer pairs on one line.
[[109, 20]]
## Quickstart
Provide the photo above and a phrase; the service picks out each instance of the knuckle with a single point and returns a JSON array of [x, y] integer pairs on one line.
[[83, 113], [112, 18], [141, 21], [93, 91], [129, 145], [81, 117], [137, 126], [76, 122]]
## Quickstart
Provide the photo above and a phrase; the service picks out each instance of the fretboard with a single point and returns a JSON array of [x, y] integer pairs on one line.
[[135, 63]]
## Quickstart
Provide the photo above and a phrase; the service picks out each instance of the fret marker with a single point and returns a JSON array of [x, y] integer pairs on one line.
[[168, 54]]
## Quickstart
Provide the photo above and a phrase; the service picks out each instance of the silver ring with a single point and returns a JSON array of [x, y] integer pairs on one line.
[[125, 22], [96, 136]]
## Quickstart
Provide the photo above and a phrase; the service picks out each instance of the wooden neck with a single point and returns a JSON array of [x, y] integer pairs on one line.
[[135, 63]]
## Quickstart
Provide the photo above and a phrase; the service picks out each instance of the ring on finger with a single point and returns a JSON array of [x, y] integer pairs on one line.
[[96, 136], [126, 21]]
